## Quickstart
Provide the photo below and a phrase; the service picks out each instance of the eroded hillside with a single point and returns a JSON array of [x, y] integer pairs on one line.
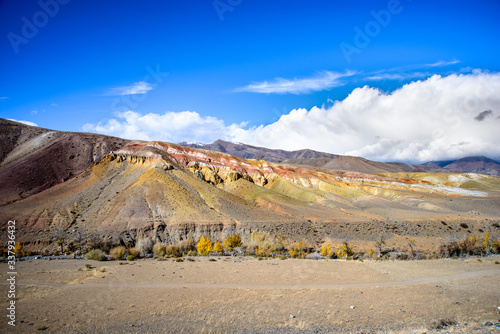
[[173, 192]]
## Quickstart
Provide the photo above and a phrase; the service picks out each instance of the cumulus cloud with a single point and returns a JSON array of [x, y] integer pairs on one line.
[[140, 87], [421, 121], [170, 126], [23, 122], [482, 115], [322, 81]]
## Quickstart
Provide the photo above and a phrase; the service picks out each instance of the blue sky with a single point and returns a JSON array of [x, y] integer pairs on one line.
[[244, 70]]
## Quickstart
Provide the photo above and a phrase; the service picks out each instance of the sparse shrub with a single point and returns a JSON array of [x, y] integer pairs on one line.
[[283, 257], [218, 248], [88, 266], [443, 324], [262, 251], [144, 245], [96, 254], [497, 262], [187, 246], [179, 259], [131, 258], [133, 253], [192, 253], [172, 251], [380, 244], [204, 246], [370, 253], [159, 250], [231, 242], [278, 245], [118, 253], [496, 246]]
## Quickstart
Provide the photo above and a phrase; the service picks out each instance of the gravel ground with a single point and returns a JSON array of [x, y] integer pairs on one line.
[[245, 295]]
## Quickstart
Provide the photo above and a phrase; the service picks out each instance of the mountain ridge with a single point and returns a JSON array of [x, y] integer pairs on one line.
[[343, 162]]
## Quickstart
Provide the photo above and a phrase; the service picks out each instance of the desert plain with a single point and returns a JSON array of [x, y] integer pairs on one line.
[[248, 295]]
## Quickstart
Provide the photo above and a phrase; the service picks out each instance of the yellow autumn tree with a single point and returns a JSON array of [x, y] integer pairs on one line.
[[204, 245], [231, 242], [18, 249], [486, 242], [326, 251], [218, 247]]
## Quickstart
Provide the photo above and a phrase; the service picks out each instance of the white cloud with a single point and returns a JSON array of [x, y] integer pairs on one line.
[[421, 121], [408, 71], [3, 97], [432, 119], [397, 76], [170, 126], [442, 63], [140, 87], [23, 122], [53, 104], [322, 81]]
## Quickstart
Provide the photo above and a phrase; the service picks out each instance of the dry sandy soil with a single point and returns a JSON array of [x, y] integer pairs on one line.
[[245, 295]]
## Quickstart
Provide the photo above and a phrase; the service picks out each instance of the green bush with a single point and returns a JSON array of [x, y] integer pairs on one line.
[[96, 254]]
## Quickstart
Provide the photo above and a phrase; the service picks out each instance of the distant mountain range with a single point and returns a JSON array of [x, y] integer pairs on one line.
[[306, 157], [480, 165], [94, 186]]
